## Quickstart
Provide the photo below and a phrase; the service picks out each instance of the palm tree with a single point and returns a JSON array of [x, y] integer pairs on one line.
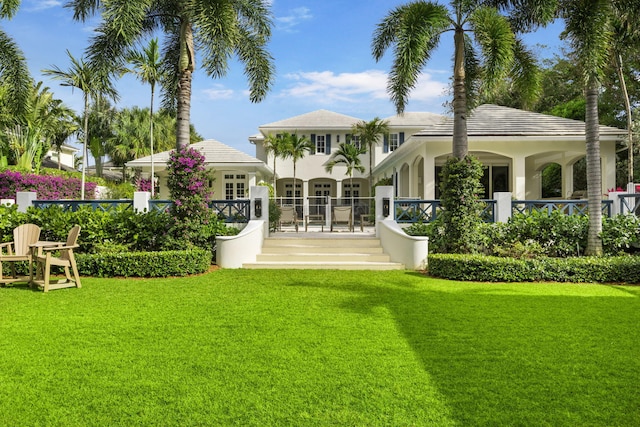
[[277, 145], [14, 72], [414, 30], [349, 156], [369, 134], [590, 31], [296, 148], [219, 29], [93, 83], [147, 66]]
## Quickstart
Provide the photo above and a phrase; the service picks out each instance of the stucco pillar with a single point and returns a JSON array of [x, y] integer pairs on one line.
[[252, 179], [430, 179], [141, 201], [519, 178], [503, 206], [259, 199], [24, 199], [338, 191], [305, 198]]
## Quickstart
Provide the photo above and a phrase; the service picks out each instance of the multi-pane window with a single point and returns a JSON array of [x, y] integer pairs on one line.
[[321, 144], [355, 140], [394, 141], [234, 186], [352, 190]]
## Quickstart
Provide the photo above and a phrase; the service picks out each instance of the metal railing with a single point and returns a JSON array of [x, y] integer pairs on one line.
[[74, 205], [569, 207], [630, 203], [411, 211]]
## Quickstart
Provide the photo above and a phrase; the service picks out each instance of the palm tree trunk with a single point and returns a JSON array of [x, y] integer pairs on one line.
[[460, 142], [187, 65], [370, 170], [594, 174], [151, 143], [627, 107], [85, 154], [275, 182]]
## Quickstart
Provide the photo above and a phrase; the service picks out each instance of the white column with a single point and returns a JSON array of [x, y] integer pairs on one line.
[[305, 198], [430, 178], [338, 191], [519, 178]]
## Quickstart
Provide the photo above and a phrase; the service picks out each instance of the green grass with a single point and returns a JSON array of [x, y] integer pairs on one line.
[[307, 348]]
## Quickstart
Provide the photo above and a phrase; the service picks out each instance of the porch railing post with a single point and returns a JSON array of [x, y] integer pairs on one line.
[[503, 206], [24, 199]]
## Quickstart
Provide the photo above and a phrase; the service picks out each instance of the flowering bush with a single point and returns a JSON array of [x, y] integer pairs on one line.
[[187, 182], [47, 187]]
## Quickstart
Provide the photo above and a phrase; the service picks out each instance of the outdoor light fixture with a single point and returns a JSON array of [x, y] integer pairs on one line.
[[385, 206], [257, 207]]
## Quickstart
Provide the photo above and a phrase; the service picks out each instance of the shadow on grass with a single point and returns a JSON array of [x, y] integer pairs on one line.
[[517, 354]]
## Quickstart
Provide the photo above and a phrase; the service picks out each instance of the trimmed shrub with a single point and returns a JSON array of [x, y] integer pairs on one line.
[[620, 269], [144, 264]]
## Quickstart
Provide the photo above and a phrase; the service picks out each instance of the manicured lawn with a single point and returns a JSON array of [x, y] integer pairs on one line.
[[272, 348]]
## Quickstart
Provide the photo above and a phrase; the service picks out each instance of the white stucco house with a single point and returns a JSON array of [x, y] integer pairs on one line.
[[234, 171], [513, 145]]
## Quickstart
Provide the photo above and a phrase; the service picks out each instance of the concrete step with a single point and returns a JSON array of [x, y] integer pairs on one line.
[[325, 265], [346, 252]]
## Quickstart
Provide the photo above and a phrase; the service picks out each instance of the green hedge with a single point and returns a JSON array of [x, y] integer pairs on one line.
[[144, 264], [480, 268]]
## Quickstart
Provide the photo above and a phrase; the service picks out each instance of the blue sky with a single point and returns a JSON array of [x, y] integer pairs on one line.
[[322, 57]]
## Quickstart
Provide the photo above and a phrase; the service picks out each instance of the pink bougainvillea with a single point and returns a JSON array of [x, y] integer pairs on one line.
[[47, 187]]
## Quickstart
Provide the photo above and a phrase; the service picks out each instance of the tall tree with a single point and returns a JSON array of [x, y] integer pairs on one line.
[[347, 155], [370, 133], [93, 83], [590, 33], [218, 29], [277, 146], [14, 72], [147, 65], [414, 31], [297, 148]]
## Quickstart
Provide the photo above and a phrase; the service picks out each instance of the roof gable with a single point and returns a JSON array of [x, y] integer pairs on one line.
[[213, 151], [319, 119], [495, 120]]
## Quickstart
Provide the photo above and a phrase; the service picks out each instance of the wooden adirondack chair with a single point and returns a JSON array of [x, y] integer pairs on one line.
[[18, 251], [61, 255], [342, 215]]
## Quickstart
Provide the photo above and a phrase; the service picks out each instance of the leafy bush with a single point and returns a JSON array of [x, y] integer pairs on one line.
[[47, 187], [462, 209], [144, 264], [621, 234], [621, 269]]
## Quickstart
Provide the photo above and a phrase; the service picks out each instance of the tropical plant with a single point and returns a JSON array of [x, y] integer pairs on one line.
[[277, 145], [30, 134], [217, 29], [14, 72], [93, 83], [415, 29], [347, 155], [589, 29], [147, 66], [369, 134], [296, 148]]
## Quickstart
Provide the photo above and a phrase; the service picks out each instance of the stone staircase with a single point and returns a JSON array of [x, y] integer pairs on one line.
[[348, 252]]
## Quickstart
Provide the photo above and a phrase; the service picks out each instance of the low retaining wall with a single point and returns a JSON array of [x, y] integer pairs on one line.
[[233, 251], [412, 251]]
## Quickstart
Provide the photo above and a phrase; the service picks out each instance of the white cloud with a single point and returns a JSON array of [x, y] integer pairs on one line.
[[295, 17], [353, 87], [218, 92], [40, 5]]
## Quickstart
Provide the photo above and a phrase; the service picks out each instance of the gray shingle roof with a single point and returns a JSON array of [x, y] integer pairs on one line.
[[214, 152], [320, 119], [494, 120], [415, 119]]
